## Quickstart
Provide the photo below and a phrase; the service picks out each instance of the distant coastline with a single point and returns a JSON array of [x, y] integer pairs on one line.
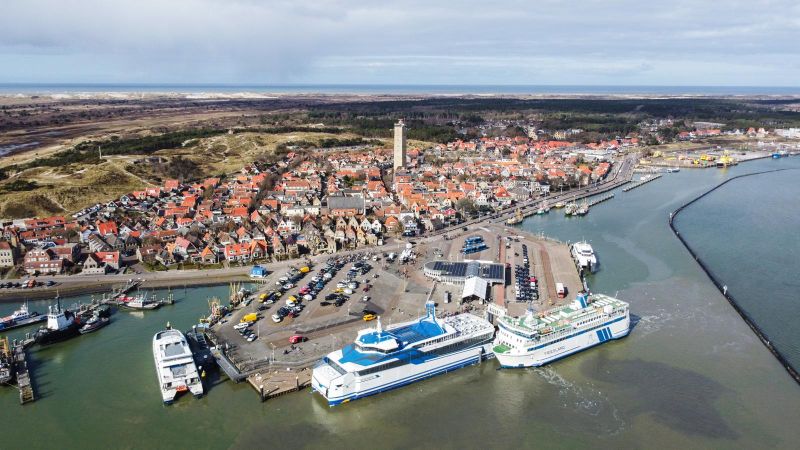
[[258, 90]]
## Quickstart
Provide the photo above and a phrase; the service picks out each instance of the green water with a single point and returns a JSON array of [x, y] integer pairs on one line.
[[690, 375]]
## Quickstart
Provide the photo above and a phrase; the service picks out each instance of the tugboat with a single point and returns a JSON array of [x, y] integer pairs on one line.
[[95, 323], [61, 325]]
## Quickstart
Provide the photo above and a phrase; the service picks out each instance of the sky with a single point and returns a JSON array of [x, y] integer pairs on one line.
[[535, 42]]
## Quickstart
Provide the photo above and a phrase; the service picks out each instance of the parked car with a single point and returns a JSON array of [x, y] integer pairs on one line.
[[296, 339]]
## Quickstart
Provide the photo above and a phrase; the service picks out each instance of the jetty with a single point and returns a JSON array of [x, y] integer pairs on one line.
[[601, 199], [274, 383], [641, 183], [24, 384]]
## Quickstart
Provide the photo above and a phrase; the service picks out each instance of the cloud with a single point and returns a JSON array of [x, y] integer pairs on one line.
[[413, 41]]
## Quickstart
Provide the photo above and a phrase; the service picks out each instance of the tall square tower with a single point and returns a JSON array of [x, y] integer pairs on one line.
[[399, 144]]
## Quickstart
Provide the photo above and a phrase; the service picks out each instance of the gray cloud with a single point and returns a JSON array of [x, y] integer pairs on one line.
[[348, 41]]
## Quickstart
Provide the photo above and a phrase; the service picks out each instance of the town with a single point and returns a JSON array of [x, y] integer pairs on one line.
[[321, 202]]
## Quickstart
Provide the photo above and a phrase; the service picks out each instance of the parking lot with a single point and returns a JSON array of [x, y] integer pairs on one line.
[[318, 317]]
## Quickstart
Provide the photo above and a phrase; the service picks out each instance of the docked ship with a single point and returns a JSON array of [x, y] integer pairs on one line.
[[139, 302], [96, 322], [175, 366], [537, 339], [583, 255], [6, 362], [61, 325], [21, 317], [383, 359]]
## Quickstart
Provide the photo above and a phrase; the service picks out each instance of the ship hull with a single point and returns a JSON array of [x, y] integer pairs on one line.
[[547, 353], [52, 336], [401, 376]]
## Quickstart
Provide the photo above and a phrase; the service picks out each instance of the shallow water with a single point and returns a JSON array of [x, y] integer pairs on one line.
[[691, 374]]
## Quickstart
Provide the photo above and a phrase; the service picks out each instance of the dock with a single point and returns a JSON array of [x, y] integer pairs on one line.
[[271, 384], [640, 183], [24, 384], [601, 199]]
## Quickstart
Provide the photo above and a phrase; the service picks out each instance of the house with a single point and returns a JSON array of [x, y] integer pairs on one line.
[[93, 265], [42, 261], [7, 254], [110, 259], [346, 206], [67, 252]]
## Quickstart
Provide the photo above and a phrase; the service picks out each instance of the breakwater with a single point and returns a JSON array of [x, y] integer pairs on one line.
[[723, 288]]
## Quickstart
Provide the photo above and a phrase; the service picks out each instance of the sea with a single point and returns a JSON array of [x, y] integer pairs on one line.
[[393, 89], [691, 374]]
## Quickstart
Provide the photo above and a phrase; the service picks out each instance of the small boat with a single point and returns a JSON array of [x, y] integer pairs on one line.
[[21, 317], [94, 324], [559, 204], [140, 302]]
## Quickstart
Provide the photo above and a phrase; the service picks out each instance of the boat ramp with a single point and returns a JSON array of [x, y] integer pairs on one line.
[[274, 383]]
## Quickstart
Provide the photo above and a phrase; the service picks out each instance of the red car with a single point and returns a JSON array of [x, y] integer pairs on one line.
[[296, 339]]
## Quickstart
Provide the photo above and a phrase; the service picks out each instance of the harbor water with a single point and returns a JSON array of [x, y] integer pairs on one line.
[[690, 375]]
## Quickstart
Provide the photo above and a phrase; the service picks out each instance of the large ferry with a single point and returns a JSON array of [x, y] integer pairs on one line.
[[537, 339], [584, 256], [175, 366], [383, 359]]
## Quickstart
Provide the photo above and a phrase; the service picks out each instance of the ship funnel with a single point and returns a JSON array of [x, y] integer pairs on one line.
[[581, 301], [430, 308]]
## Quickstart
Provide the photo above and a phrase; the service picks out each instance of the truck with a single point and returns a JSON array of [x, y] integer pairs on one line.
[[249, 318]]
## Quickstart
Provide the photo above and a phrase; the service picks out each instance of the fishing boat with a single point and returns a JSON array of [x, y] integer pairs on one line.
[[61, 325], [175, 366], [582, 209], [383, 359], [570, 209], [6, 362], [94, 323], [537, 339], [139, 302]]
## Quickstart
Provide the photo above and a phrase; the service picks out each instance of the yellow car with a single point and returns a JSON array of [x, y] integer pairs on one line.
[[338, 291], [368, 317]]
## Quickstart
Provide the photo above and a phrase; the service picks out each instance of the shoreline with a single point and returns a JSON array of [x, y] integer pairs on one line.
[[73, 288], [762, 336]]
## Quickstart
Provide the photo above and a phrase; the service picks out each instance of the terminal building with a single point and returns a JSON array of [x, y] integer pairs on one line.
[[475, 276]]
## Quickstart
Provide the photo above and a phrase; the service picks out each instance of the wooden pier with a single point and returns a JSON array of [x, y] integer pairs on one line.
[[24, 384], [274, 383], [640, 183]]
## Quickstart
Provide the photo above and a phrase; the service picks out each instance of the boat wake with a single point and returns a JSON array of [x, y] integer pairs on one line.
[[584, 399]]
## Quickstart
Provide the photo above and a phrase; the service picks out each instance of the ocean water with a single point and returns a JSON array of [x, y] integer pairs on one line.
[[690, 375], [388, 89]]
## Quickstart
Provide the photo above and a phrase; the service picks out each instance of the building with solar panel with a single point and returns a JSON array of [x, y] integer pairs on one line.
[[457, 272]]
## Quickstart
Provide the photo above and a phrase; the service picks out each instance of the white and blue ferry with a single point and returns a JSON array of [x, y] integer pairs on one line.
[[383, 359], [537, 339]]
